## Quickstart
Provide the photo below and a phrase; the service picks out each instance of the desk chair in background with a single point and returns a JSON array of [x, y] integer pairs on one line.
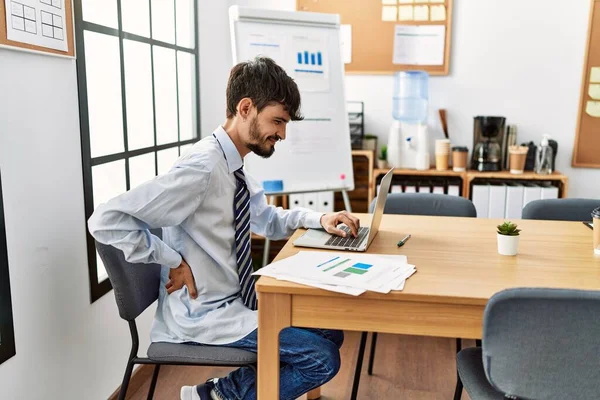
[[136, 287], [413, 204], [561, 209], [537, 344]]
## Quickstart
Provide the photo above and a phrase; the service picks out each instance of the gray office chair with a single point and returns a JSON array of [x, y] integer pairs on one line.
[[136, 287], [538, 344], [561, 209], [431, 204]]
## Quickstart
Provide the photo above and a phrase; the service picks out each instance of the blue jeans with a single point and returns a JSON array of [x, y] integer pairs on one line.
[[309, 358]]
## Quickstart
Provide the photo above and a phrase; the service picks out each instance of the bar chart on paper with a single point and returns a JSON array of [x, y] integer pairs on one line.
[[356, 269], [310, 64]]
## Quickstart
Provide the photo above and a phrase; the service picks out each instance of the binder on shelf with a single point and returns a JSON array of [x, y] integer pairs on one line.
[[311, 200], [480, 198], [454, 190], [438, 188], [325, 202], [410, 188], [296, 200], [496, 201], [549, 192], [531, 192], [514, 201]]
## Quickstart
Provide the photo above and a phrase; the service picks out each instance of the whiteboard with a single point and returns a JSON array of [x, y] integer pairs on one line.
[[317, 154]]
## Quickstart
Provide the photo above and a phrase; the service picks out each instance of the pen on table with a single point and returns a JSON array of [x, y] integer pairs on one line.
[[401, 243]]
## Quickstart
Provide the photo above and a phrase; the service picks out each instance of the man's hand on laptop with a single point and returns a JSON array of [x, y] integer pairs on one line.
[[182, 276], [330, 221]]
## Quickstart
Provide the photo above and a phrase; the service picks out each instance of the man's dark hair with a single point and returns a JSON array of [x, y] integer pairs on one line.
[[264, 82]]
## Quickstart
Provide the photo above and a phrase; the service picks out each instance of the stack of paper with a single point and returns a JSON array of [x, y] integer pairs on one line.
[[345, 272]]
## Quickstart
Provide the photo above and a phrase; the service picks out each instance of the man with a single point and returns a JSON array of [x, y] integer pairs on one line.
[[207, 205]]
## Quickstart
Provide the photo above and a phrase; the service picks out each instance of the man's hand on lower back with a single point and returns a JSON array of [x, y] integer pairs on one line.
[[180, 277]]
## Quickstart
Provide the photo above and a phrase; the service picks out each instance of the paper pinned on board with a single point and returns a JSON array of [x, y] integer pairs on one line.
[[421, 13], [592, 108], [594, 91], [438, 13], [595, 75], [36, 22], [310, 56], [346, 42], [419, 44], [405, 13], [388, 13]]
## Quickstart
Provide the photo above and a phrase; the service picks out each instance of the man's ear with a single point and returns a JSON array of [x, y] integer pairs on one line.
[[245, 107]]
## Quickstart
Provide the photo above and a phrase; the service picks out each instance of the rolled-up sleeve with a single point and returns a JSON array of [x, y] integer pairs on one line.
[[273, 222], [167, 200]]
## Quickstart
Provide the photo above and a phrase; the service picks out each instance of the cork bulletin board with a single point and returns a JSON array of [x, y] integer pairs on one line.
[[375, 26], [586, 152], [42, 21]]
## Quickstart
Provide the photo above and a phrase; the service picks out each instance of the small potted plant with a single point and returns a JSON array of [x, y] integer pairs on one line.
[[508, 239], [382, 161]]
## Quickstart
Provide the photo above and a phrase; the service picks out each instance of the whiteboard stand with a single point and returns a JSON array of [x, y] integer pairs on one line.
[[271, 198]]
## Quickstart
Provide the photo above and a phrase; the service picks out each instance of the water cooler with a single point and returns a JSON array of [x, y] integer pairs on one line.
[[408, 145]]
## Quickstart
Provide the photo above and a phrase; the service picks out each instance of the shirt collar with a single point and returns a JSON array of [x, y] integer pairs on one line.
[[232, 156]]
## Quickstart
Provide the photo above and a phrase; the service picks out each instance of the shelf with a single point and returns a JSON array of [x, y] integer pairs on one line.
[[470, 175], [415, 172]]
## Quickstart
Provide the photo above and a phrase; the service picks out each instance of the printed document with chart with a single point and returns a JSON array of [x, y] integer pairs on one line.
[[343, 272]]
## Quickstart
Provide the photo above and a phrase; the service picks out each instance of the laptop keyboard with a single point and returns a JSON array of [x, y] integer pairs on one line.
[[349, 240]]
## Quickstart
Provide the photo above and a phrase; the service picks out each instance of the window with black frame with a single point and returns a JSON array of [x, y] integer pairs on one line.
[[7, 333], [137, 62]]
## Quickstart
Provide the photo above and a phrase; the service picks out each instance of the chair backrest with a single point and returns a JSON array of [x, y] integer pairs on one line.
[[543, 343], [135, 285], [561, 209], [428, 204]]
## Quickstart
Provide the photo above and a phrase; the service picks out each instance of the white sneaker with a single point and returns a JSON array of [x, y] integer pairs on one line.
[[189, 393]]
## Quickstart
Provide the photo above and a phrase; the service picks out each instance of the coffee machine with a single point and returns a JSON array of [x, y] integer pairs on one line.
[[488, 139]]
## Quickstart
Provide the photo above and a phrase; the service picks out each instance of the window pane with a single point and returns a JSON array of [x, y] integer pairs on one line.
[[136, 17], [141, 169], [166, 159], [187, 95], [165, 95], [185, 23], [108, 182], [163, 20], [100, 269], [103, 12], [103, 74], [138, 88]]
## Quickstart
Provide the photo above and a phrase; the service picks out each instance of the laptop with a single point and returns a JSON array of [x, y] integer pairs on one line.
[[318, 238]]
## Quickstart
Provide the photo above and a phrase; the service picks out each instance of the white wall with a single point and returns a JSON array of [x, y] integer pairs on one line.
[[66, 348], [508, 58]]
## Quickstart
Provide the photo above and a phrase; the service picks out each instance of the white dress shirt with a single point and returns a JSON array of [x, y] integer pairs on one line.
[[193, 203]]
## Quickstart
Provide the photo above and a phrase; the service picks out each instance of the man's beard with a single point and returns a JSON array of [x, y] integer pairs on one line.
[[256, 144]]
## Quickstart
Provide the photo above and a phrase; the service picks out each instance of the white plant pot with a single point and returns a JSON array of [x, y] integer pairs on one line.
[[508, 245], [382, 164]]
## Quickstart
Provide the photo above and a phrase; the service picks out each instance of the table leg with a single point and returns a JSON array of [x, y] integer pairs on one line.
[[274, 314]]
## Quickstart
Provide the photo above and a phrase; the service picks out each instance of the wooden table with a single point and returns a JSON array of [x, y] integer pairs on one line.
[[458, 270]]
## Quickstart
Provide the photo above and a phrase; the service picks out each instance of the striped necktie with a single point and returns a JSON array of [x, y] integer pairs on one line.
[[241, 211]]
